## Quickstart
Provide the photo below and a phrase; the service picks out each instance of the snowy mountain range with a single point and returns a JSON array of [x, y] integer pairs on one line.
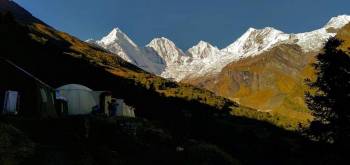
[[162, 57]]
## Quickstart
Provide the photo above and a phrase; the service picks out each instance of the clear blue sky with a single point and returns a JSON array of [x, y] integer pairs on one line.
[[185, 22]]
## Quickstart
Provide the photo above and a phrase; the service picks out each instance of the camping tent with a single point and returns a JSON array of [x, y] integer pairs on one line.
[[81, 99], [23, 94]]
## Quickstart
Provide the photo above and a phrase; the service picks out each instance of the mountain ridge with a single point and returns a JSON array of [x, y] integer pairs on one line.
[[194, 63], [19, 12]]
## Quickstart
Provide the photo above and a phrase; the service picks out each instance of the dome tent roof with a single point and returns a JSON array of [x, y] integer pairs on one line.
[[80, 98], [74, 87]]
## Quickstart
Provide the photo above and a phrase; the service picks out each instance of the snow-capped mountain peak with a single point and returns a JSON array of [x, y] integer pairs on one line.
[[254, 41], [314, 40], [116, 35], [120, 44], [204, 45], [166, 49], [203, 50], [338, 22], [162, 43]]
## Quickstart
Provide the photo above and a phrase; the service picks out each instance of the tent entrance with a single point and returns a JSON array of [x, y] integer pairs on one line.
[[11, 102]]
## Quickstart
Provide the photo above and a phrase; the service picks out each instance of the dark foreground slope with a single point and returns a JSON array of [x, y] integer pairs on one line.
[[92, 140], [179, 115]]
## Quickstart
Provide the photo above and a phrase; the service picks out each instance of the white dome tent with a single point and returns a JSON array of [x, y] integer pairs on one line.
[[81, 99]]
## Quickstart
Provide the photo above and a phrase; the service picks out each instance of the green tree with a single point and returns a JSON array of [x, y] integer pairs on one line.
[[330, 99]]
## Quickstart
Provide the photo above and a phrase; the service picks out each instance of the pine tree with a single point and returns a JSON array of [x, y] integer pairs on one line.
[[330, 99]]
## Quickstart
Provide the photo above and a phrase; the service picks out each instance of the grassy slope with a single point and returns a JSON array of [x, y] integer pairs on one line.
[[344, 34]]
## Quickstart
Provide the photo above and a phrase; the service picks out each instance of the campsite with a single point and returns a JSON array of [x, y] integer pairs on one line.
[[23, 94]]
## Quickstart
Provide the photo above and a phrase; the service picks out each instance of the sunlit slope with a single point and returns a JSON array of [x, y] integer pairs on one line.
[[272, 82], [344, 34]]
